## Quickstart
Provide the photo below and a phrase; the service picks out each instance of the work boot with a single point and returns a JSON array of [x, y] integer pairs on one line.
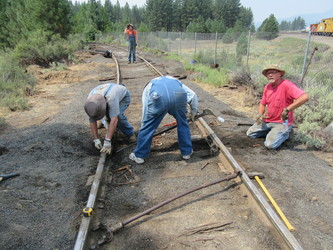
[[187, 157], [132, 138], [136, 159]]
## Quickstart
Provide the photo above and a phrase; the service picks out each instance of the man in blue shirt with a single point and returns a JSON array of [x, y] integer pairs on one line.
[[164, 95]]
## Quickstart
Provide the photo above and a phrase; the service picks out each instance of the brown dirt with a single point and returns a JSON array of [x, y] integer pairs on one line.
[[49, 145]]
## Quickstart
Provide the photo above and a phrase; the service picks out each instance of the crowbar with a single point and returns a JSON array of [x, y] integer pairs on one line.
[[120, 225], [205, 112]]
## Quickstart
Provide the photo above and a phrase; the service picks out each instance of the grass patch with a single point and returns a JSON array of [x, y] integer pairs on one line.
[[15, 84], [289, 54], [216, 77]]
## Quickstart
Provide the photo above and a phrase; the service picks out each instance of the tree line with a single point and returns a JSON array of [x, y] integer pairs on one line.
[[20, 18], [296, 24]]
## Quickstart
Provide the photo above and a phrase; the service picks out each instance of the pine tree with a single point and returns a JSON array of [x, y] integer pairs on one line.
[[21, 17], [245, 16], [269, 29], [228, 11], [176, 15]]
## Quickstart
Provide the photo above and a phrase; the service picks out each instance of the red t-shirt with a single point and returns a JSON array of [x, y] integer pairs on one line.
[[279, 97]]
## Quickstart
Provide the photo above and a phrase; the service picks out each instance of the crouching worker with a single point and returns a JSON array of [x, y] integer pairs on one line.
[[276, 116], [109, 100], [164, 95]]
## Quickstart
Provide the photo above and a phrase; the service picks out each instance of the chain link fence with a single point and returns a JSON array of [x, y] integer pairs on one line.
[[306, 58]]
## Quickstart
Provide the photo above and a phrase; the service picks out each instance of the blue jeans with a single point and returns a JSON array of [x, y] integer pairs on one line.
[[275, 133], [123, 124], [165, 97], [131, 49]]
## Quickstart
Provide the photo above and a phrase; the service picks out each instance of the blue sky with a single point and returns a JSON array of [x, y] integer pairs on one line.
[[261, 9]]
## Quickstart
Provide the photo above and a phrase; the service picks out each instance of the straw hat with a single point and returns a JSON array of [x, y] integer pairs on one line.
[[273, 67]]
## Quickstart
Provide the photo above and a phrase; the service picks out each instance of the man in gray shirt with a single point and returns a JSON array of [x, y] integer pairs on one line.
[[110, 100]]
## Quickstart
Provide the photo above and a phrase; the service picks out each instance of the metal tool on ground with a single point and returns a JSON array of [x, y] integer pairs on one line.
[[105, 53], [205, 112], [111, 230], [7, 176], [257, 177]]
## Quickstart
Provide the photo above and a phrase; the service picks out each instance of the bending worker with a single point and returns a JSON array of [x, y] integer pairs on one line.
[[164, 95], [279, 99], [110, 100], [131, 37]]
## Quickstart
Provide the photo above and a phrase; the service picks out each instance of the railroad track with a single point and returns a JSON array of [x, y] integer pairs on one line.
[[121, 189]]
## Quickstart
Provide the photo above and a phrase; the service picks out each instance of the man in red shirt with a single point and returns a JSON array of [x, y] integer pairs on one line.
[[132, 40], [276, 116]]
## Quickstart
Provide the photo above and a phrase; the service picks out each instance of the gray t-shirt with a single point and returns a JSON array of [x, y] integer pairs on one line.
[[114, 94]]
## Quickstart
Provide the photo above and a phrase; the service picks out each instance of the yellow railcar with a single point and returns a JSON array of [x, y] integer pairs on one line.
[[325, 27]]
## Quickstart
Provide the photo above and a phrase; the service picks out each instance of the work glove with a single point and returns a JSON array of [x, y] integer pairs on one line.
[[260, 118], [98, 143], [284, 115], [106, 147]]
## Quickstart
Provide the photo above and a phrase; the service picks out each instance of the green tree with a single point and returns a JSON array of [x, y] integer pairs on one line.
[[21, 17], [197, 26], [159, 14], [228, 36], [238, 29], [228, 11], [143, 27], [4, 21], [269, 29], [109, 10], [126, 14], [205, 8], [213, 26], [245, 16], [176, 17], [116, 12], [284, 25], [241, 48]]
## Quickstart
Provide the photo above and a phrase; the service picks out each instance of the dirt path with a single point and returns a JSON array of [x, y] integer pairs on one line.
[[50, 146]]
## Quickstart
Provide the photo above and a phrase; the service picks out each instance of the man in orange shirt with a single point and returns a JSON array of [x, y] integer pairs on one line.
[[131, 37]]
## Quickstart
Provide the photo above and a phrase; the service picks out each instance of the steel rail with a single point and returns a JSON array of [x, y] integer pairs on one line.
[[86, 221], [145, 61], [286, 235], [270, 213], [150, 65], [273, 217]]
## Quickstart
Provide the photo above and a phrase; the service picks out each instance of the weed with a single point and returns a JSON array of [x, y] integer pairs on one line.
[[14, 83]]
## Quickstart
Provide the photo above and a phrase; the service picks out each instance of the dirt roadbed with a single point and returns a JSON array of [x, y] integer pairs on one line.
[[50, 146]]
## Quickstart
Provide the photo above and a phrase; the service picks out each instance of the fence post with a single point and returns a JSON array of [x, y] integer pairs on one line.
[[159, 40], [195, 43], [215, 48], [168, 41], [248, 51], [306, 54], [180, 43]]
